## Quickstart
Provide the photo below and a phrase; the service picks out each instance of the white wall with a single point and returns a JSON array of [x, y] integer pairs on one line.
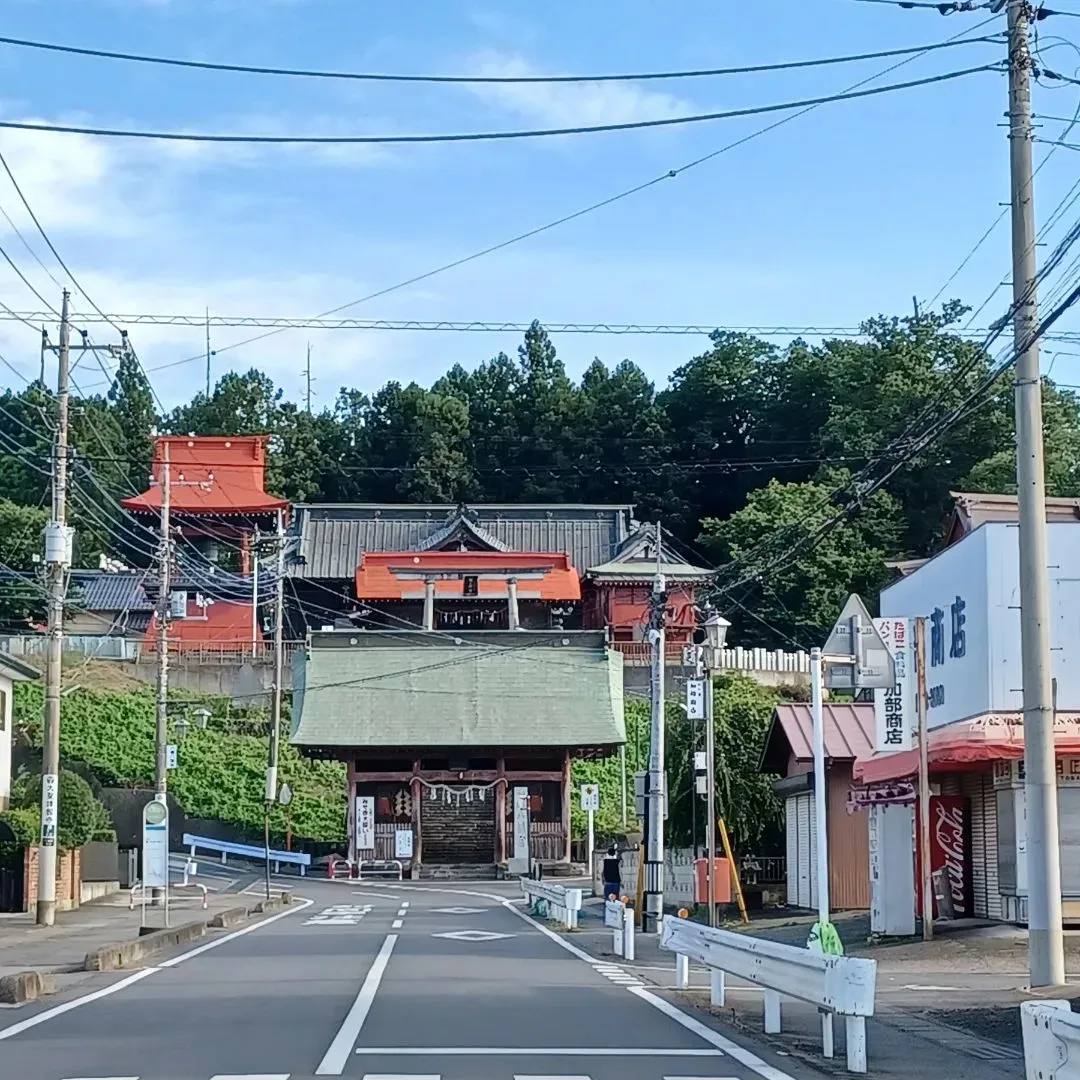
[[983, 571]]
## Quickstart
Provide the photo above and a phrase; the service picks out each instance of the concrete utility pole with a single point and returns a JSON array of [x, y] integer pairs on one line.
[[307, 379], [275, 699], [1046, 958], [161, 731], [58, 559], [925, 866], [654, 795], [208, 354], [710, 784]]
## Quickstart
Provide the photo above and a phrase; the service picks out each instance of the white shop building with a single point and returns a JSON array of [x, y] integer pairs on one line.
[[969, 595]]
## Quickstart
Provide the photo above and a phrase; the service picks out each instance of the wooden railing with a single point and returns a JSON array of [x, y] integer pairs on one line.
[[547, 841]]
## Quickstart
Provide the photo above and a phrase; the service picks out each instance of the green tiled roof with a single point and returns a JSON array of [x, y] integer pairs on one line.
[[530, 692]]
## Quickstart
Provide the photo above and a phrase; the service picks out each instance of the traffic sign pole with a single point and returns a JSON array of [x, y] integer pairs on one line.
[[591, 844]]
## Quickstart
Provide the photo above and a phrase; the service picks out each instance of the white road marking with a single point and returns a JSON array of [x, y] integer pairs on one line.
[[402, 1076], [404, 903], [472, 935], [380, 895], [542, 1051], [336, 1057], [251, 1076], [743, 1056], [396, 924], [530, 1076], [402, 911], [458, 910]]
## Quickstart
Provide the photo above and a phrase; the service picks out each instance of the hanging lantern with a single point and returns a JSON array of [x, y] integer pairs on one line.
[[468, 795], [434, 794], [481, 794]]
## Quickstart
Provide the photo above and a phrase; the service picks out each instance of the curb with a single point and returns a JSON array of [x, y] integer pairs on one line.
[[23, 986], [126, 954]]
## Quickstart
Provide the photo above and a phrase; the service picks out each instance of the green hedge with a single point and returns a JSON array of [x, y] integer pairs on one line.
[[221, 773]]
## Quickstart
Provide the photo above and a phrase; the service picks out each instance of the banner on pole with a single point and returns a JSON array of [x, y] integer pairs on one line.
[[895, 706]]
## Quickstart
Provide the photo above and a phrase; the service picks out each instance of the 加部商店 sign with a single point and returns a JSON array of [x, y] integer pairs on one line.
[[894, 708]]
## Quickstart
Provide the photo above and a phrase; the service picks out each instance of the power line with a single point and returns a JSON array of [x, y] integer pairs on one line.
[[307, 73], [491, 136], [590, 208]]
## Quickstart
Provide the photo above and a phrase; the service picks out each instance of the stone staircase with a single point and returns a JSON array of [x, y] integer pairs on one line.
[[458, 872]]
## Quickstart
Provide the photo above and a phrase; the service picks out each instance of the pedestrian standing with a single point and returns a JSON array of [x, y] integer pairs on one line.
[[612, 883]]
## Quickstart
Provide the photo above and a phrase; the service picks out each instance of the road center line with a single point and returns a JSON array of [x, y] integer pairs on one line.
[[336, 1057], [396, 924]]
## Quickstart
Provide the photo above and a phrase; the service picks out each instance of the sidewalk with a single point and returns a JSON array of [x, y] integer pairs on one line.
[[59, 950], [949, 1009]]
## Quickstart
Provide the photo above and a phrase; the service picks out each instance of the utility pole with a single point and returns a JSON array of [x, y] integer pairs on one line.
[[208, 354], [275, 700], [925, 865], [161, 727], [710, 780], [58, 559], [307, 379], [654, 866], [1046, 958], [255, 594]]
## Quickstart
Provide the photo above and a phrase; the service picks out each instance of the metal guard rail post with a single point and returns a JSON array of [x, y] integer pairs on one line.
[[620, 918], [247, 851], [1051, 1040], [561, 903], [836, 985], [383, 866], [337, 863], [141, 889]]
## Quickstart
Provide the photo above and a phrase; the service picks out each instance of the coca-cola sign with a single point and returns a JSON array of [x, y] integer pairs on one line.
[[950, 851]]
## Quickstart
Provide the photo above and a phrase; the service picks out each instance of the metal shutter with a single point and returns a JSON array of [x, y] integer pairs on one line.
[[803, 868], [811, 810], [971, 786], [1069, 839], [792, 851]]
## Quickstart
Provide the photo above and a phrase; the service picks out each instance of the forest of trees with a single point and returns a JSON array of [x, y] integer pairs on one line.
[[745, 438]]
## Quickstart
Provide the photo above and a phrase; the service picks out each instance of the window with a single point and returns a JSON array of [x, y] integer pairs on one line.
[[471, 586]]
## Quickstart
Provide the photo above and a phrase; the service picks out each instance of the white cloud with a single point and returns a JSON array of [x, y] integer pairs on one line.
[[570, 104]]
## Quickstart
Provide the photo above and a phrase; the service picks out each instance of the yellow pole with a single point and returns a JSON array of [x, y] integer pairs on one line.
[[730, 856]]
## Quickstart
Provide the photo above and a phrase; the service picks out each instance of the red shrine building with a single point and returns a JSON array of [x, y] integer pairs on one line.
[[218, 506], [458, 655]]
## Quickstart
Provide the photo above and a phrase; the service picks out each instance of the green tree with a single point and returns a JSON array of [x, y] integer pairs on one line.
[[800, 585]]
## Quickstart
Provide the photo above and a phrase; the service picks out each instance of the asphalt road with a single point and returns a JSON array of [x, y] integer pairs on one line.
[[382, 983]]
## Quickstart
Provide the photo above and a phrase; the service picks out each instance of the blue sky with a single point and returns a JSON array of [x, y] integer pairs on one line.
[[841, 214]]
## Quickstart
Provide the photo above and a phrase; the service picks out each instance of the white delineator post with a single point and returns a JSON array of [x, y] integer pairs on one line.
[[820, 818]]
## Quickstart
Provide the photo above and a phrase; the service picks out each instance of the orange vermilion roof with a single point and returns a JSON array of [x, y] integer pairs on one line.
[[401, 575], [224, 622], [210, 475]]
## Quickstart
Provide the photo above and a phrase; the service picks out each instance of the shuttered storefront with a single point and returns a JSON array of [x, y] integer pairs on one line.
[[979, 788]]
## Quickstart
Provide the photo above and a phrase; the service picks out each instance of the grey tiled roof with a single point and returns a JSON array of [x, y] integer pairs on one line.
[[329, 539], [99, 590], [518, 690]]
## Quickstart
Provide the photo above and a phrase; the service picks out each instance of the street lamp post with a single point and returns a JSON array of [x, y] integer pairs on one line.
[[710, 638]]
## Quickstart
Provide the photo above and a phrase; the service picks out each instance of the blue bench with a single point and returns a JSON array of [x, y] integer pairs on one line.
[[247, 851]]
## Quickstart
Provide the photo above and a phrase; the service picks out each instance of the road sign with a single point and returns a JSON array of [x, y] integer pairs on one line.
[[855, 635], [155, 845], [172, 756], [590, 797], [695, 699]]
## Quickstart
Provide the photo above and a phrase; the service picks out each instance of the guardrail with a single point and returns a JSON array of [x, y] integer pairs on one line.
[[142, 890], [247, 851], [620, 917], [337, 863], [379, 867], [836, 985], [1051, 1040], [552, 901]]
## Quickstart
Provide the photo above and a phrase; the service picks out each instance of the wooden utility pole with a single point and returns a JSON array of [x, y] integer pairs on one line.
[[275, 699]]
